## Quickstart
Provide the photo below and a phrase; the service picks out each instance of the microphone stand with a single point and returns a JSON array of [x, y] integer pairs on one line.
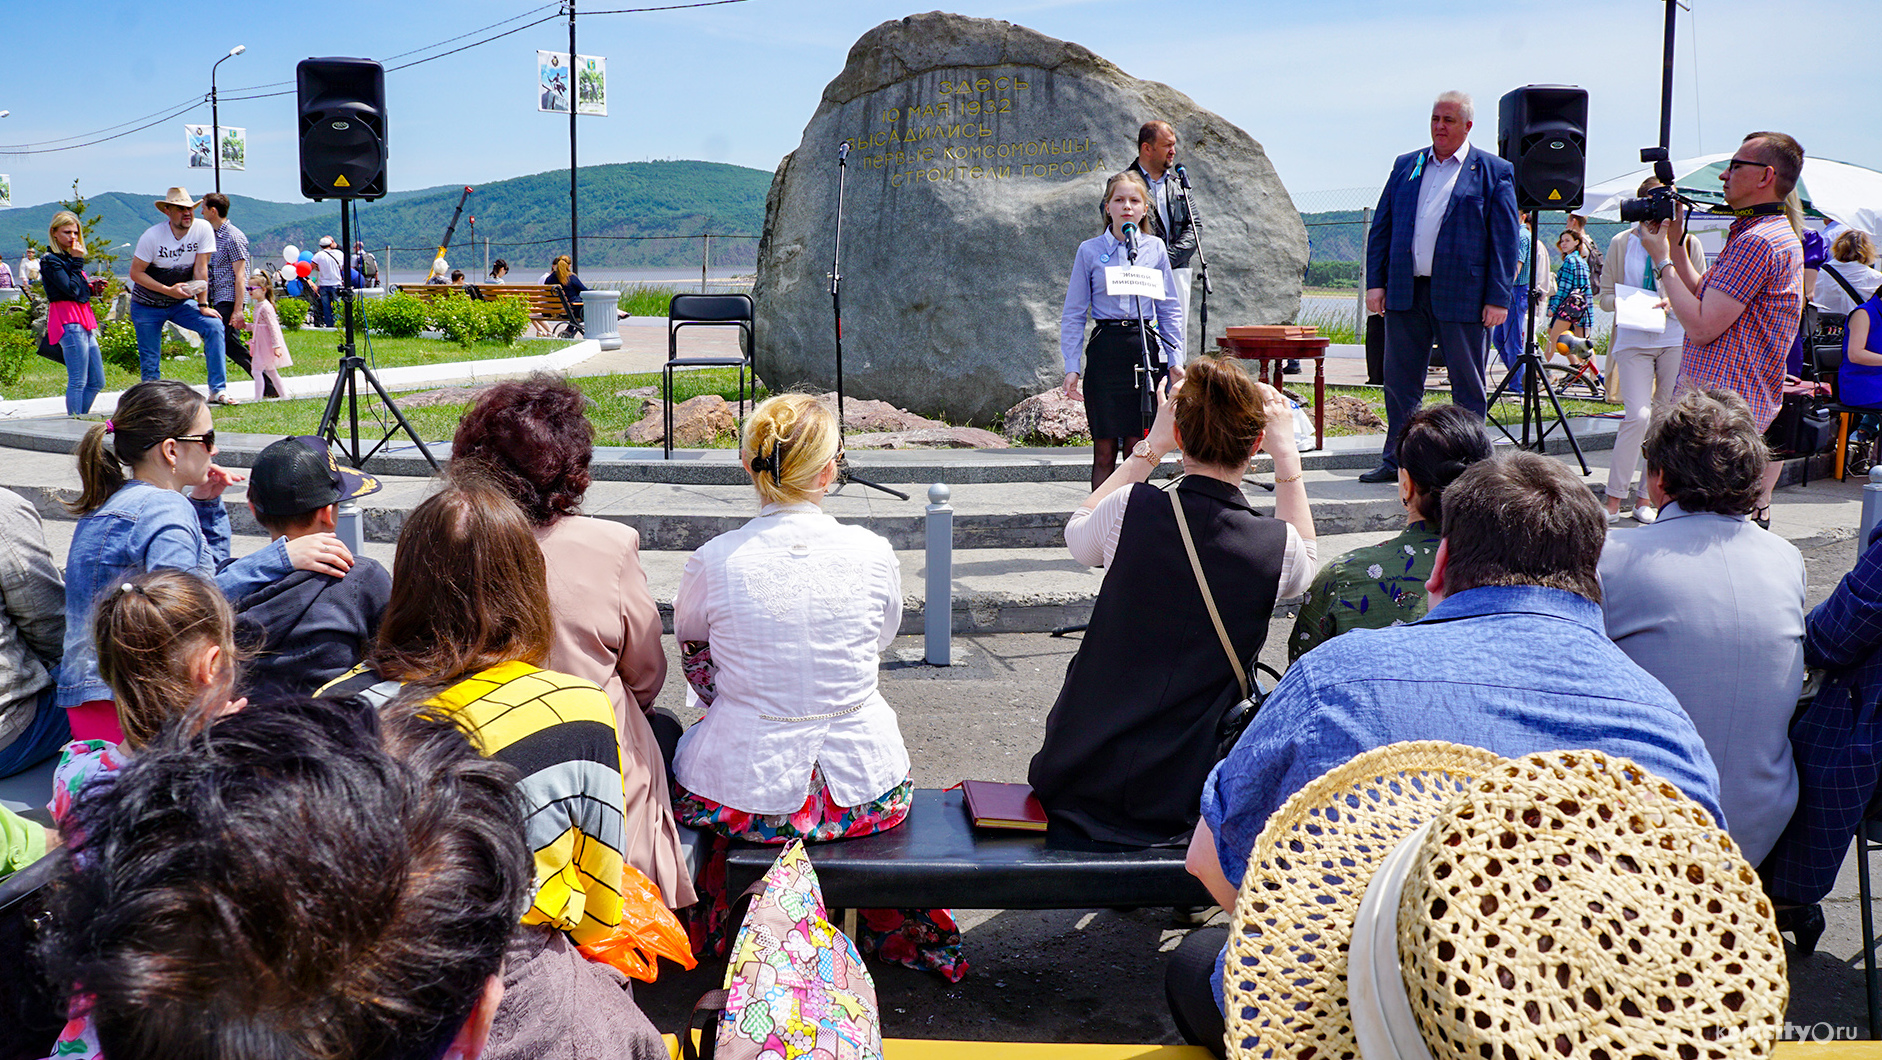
[[836, 277], [1146, 368], [1202, 260]]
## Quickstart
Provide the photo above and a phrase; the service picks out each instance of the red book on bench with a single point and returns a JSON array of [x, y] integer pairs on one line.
[[1010, 806]]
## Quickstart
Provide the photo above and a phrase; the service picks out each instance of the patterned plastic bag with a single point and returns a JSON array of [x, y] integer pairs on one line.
[[795, 985]]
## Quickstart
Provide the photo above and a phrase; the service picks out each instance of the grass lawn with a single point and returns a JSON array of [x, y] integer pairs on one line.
[[315, 353], [610, 413]]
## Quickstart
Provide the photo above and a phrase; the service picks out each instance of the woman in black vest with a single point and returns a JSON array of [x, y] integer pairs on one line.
[[1133, 735]]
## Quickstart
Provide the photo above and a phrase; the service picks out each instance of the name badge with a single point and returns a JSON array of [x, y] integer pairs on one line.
[[1122, 281]]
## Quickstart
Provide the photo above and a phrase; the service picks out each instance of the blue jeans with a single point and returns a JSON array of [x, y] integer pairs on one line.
[[325, 297], [1509, 334], [84, 368], [148, 322], [42, 737]]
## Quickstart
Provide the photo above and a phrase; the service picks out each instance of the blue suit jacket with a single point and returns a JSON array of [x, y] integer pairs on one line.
[[1477, 242]]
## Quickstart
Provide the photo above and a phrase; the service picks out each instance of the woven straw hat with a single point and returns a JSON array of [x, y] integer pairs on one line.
[[1429, 899]]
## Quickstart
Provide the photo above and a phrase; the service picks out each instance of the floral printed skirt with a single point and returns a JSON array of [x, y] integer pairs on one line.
[[925, 939]]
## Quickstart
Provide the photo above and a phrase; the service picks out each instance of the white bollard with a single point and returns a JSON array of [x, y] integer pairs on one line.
[[1871, 506], [350, 525], [938, 610]]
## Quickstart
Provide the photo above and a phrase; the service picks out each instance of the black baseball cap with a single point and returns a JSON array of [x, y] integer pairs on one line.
[[296, 475]]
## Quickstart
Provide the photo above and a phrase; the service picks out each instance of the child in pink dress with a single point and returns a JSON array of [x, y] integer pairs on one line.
[[267, 347]]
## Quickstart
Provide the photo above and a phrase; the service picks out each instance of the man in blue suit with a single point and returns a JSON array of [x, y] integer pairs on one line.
[[1439, 260]]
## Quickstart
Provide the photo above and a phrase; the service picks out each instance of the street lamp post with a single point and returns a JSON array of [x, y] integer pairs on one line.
[[215, 116]]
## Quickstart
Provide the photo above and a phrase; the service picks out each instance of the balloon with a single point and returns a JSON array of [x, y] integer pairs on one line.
[[290, 254], [293, 288], [302, 268], [307, 255]]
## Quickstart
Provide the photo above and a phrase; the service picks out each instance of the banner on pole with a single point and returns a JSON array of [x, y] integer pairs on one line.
[[234, 147], [554, 74], [6, 192]]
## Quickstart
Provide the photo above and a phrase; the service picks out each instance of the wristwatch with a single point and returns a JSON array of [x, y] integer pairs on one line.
[[1149, 455]]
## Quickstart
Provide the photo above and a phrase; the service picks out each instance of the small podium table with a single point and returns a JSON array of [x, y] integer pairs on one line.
[[1270, 354]]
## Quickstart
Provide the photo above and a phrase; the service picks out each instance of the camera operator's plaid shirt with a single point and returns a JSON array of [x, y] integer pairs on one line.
[[1761, 266]]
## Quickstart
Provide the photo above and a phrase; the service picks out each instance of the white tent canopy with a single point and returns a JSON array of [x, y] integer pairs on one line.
[[1850, 194]]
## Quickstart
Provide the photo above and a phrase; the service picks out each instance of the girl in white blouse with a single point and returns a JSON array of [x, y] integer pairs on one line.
[[781, 625]]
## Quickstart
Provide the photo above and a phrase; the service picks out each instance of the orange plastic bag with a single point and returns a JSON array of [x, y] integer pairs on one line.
[[647, 932]]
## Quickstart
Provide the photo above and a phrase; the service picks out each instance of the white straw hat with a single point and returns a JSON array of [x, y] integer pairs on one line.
[[1433, 900]]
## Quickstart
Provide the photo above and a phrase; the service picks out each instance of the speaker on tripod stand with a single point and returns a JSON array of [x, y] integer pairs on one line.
[[1542, 132], [342, 125]]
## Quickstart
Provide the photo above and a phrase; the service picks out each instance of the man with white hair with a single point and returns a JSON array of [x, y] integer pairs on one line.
[[1439, 264]]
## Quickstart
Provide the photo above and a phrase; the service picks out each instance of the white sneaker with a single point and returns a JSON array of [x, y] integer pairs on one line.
[[1645, 513], [1614, 518]]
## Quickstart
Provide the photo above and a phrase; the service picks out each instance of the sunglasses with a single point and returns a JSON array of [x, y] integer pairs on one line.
[[208, 438], [1736, 162]]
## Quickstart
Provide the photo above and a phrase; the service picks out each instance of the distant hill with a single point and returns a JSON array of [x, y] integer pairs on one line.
[[624, 199], [1339, 235]]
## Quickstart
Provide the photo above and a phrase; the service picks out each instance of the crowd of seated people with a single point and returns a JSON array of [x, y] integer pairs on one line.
[[489, 704]]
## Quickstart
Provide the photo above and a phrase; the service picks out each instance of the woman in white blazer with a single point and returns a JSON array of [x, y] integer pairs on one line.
[[1645, 363]]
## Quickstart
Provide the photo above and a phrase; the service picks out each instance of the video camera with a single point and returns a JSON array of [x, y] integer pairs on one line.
[[1658, 203]]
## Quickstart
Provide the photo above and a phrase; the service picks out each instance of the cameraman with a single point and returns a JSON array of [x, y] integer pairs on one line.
[[1741, 315]]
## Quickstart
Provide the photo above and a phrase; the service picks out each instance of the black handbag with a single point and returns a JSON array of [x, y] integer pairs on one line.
[[1803, 426], [51, 351], [32, 1008]]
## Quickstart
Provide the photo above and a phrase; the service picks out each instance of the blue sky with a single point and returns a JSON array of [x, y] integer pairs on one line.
[[1332, 88]]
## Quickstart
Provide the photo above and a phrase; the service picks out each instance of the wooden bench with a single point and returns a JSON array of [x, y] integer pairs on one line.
[[936, 859], [548, 303]]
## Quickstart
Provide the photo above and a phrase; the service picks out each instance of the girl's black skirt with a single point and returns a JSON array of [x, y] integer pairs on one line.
[[1113, 404]]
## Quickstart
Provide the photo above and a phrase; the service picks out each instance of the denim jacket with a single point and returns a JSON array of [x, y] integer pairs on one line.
[[145, 527]]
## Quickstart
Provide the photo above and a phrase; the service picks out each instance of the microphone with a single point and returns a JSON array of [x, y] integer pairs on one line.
[[1574, 347], [842, 151], [1130, 241], [1182, 176]]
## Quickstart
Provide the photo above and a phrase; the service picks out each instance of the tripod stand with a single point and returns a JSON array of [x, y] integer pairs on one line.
[[1535, 382], [346, 386]]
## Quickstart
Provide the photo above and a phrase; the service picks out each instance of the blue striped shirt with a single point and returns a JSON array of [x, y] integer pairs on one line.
[[1085, 293]]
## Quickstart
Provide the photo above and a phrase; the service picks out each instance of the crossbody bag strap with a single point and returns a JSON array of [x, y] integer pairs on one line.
[[1844, 284], [1208, 599]]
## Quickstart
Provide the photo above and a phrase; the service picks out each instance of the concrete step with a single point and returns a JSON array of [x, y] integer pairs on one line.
[[720, 467], [681, 517]]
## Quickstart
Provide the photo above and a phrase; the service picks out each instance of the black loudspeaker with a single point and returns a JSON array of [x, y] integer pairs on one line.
[[1542, 130], [342, 128]]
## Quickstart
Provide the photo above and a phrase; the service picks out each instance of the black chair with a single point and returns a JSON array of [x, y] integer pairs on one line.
[[1868, 841], [705, 310], [1823, 364]]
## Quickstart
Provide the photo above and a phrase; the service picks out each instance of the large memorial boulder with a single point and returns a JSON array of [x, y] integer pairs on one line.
[[978, 154]]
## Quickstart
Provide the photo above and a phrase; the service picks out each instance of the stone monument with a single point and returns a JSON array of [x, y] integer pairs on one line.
[[979, 151]]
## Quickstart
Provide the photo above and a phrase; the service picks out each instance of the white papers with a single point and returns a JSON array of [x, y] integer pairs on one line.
[[1639, 309], [1122, 281]]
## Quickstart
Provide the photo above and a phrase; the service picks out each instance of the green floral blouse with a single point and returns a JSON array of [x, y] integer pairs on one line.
[[1367, 588]]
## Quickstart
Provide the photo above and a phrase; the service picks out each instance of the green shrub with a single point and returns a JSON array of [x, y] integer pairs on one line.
[[646, 300], [292, 311], [461, 319], [117, 340], [397, 315], [505, 319], [19, 342]]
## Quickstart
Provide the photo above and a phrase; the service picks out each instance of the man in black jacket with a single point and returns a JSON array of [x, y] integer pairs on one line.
[[308, 628], [1170, 219]]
